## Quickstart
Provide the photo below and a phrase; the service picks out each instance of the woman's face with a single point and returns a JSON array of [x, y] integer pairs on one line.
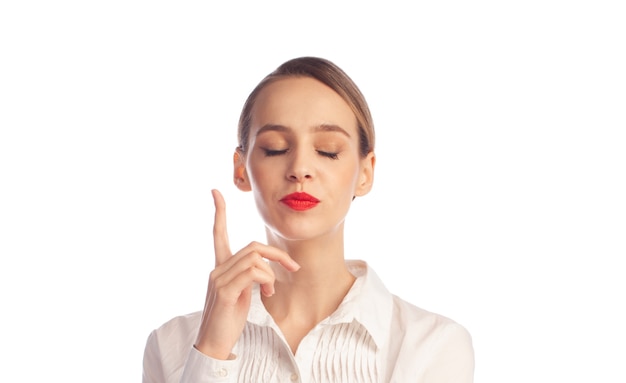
[[303, 139]]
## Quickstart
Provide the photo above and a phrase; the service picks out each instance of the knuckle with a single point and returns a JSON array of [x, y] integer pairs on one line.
[[253, 256], [216, 279], [215, 282], [213, 275], [250, 272]]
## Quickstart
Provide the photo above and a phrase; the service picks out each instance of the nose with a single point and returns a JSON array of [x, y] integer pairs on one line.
[[300, 167]]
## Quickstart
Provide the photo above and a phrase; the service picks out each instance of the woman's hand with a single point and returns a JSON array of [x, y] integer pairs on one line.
[[230, 285]]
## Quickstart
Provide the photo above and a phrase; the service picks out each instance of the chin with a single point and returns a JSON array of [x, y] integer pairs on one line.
[[292, 234], [301, 231], [295, 231]]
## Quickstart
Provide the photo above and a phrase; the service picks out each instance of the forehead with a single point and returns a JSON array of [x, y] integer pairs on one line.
[[301, 102]]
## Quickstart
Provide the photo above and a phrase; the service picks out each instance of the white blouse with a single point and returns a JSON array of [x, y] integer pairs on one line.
[[373, 336]]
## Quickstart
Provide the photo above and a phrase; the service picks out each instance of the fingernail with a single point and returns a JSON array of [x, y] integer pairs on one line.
[[268, 291]]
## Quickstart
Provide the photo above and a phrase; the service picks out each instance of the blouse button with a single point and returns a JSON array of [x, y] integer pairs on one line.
[[294, 377], [222, 372]]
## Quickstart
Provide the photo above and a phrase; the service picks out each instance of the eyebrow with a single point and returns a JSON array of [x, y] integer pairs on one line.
[[319, 128], [332, 128]]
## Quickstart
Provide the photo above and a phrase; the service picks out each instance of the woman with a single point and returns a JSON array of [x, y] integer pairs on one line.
[[294, 309]]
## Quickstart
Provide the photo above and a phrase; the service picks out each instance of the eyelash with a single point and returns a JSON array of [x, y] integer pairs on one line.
[[332, 156], [272, 153]]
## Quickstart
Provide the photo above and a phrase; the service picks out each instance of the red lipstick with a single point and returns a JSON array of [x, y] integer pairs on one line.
[[300, 201]]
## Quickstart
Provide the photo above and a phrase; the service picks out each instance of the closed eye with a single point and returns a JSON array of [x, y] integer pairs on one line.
[[331, 155], [271, 152]]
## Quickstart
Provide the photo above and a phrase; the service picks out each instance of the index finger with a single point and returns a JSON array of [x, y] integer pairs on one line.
[[220, 235]]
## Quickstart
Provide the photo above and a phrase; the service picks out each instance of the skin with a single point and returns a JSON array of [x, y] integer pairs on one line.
[[303, 138]]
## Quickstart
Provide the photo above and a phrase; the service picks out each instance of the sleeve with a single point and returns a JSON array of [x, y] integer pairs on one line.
[[452, 357], [200, 368], [152, 366]]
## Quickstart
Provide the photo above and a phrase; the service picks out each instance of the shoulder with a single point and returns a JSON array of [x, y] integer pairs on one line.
[[168, 346], [408, 314], [400, 319], [420, 324], [178, 331], [441, 345]]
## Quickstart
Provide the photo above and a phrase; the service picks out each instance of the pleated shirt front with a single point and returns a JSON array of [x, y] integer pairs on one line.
[[373, 336]]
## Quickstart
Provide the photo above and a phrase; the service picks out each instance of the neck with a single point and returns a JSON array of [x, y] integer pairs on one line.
[[316, 290]]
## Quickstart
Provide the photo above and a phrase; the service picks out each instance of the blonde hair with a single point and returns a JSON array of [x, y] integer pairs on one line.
[[327, 73]]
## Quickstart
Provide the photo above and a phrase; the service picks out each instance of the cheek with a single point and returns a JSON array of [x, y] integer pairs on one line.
[[347, 177], [260, 173]]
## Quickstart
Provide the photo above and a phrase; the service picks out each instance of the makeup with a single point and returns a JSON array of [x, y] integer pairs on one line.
[[300, 201]]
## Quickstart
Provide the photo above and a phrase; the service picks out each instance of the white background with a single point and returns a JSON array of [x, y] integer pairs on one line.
[[499, 193]]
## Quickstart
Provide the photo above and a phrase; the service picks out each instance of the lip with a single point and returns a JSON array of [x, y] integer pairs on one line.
[[300, 201]]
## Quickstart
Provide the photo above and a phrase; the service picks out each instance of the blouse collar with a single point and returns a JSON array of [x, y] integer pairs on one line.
[[368, 302]]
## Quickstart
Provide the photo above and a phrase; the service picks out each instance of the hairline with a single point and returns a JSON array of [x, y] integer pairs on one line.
[[366, 141]]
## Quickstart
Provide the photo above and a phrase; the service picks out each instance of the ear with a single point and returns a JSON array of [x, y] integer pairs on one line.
[[366, 175], [240, 175]]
